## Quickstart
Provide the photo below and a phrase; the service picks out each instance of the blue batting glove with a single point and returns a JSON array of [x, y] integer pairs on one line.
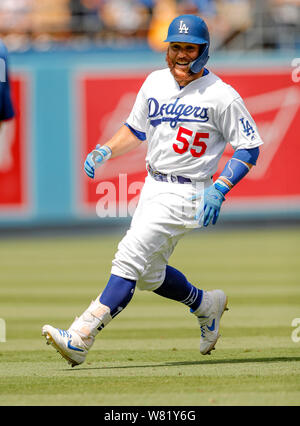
[[213, 199], [95, 158], [89, 166], [210, 209]]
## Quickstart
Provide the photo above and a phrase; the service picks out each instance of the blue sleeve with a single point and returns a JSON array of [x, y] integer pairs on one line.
[[247, 155], [140, 135], [6, 105], [236, 168]]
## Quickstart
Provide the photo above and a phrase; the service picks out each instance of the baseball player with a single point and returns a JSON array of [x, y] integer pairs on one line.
[[187, 115], [6, 111], [6, 106]]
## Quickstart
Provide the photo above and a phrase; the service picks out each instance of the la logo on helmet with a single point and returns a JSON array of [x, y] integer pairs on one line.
[[183, 28]]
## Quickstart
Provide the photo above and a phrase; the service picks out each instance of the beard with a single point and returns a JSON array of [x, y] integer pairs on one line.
[[183, 77]]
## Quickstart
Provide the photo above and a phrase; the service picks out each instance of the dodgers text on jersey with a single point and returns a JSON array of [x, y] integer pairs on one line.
[[175, 112]]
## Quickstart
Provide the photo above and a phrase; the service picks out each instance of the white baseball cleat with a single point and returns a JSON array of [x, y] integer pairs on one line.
[[73, 344], [210, 323], [68, 343]]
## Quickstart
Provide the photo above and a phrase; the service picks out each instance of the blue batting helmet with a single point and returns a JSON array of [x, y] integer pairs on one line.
[[191, 29]]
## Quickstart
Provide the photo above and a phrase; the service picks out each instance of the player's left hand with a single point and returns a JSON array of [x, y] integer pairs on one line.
[[213, 199]]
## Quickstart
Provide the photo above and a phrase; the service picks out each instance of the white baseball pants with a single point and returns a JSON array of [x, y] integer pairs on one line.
[[164, 214]]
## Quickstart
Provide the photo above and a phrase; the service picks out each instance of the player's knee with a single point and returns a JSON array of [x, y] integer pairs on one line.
[[151, 280]]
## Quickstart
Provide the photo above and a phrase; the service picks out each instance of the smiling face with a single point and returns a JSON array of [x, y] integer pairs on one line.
[[179, 57], [182, 54]]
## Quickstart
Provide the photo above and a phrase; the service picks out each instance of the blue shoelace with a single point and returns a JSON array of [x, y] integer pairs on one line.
[[64, 333], [202, 330]]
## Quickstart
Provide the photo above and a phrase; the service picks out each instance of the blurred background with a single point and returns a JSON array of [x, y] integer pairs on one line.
[[75, 69], [234, 24]]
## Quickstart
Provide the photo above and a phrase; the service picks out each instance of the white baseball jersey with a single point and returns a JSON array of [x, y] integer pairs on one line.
[[187, 128]]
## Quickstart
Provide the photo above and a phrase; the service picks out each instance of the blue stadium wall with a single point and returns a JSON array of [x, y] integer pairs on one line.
[[50, 119]]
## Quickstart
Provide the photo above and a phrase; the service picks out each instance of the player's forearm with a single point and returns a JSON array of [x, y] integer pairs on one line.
[[123, 141], [236, 169]]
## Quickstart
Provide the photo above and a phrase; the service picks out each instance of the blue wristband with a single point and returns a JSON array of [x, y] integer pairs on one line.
[[236, 168], [233, 172]]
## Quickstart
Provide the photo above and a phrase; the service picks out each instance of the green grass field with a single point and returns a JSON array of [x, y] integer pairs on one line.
[[149, 354]]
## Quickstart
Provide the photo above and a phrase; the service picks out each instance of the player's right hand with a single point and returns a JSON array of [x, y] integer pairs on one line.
[[95, 158], [89, 166]]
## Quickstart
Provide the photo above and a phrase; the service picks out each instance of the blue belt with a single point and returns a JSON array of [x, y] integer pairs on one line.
[[164, 177]]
